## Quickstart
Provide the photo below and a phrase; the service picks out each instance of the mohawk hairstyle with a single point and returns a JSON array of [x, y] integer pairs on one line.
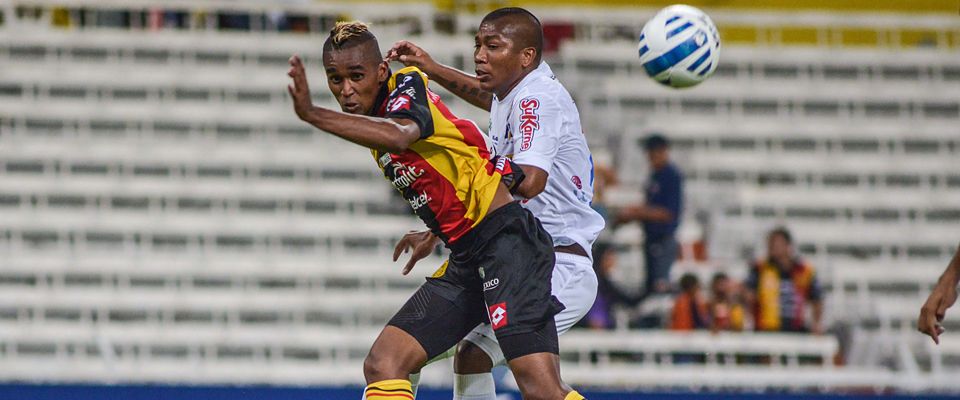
[[347, 34], [344, 30]]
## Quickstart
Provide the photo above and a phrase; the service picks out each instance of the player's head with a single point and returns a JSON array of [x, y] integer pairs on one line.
[[509, 44], [657, 148], [354, 66], [780, 244]]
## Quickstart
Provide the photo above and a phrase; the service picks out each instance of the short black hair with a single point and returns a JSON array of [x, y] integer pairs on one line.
[[531, 32], [655, 141], [346, 35], [783, 232], [688, 281]]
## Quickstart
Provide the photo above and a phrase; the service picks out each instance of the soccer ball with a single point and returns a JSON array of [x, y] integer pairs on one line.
[[680, 46]]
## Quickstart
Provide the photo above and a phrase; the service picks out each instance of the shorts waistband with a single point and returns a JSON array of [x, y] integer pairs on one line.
[[571, 257], [488, 225]]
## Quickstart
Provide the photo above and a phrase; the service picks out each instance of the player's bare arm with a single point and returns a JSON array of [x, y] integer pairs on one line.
[[943, 296], [382, 134], [421, 242], [463, 85], [534, 183]]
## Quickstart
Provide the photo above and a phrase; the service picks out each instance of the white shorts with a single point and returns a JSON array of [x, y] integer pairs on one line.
[[574, 283]]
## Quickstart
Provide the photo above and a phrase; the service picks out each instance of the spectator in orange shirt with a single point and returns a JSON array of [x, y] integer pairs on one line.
[[689, 309]]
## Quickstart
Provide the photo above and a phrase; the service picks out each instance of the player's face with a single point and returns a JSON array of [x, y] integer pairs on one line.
[[354, 81], [499, 66]]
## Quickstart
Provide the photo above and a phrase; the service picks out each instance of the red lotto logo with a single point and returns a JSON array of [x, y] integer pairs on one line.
[[498, 315]]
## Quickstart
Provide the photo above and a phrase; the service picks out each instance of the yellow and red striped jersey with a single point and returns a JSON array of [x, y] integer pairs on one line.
[[447, 175]]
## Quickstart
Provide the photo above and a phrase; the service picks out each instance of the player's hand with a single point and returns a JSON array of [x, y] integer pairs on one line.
[[299, 90], [411, 55], [422, 244], [934, 310]]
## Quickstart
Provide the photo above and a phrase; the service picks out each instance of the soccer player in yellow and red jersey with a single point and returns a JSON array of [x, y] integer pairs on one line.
[[501, 259]]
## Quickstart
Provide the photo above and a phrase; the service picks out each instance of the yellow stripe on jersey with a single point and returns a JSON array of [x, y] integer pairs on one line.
[[459, 164]]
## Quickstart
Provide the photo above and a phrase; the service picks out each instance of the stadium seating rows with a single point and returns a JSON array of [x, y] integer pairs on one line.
[[164, 217]]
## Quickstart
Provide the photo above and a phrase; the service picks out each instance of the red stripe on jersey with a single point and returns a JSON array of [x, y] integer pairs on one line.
[[448, 210], [472, 136]]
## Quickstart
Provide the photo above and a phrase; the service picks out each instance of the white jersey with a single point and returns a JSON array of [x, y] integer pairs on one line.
[[538, 124]]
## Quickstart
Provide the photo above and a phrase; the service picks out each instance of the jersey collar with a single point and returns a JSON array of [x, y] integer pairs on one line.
[[380, 104]]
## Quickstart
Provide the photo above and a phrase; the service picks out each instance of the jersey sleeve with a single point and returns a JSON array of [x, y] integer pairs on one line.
[[409, 100], [537, 120]]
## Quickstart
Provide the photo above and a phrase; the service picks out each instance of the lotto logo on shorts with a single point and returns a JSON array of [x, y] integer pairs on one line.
[[498, 315]]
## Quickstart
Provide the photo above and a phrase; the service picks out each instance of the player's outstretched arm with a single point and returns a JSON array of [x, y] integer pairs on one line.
[[463, 85], [422, 244], [943, 296], [382, 134]]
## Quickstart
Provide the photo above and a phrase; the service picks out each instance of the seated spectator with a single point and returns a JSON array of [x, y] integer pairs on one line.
[[609, 294], [726, 309], [781, 287], [689, 309]]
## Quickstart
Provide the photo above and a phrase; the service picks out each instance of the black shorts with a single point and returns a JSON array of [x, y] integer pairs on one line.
[[498, 273]]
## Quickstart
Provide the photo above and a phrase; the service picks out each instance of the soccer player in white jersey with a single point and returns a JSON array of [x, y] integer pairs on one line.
[[534, 121]]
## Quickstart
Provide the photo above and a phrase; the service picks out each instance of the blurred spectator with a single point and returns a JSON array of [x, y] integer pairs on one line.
[[605, 177], [609, 294], [689, 309], [781, 287], [660, 216], [726, 309]]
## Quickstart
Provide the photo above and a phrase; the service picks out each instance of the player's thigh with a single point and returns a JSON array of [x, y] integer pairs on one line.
[[439, 315], [575, 285]]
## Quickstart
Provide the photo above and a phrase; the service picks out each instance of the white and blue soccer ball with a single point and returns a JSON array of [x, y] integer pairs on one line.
[[680, 46]]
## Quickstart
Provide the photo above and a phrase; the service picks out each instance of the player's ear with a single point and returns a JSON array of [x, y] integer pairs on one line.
[[383, 72], [527, 56]]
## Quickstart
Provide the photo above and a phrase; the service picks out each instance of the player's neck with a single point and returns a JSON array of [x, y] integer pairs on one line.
[[506, 92]]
